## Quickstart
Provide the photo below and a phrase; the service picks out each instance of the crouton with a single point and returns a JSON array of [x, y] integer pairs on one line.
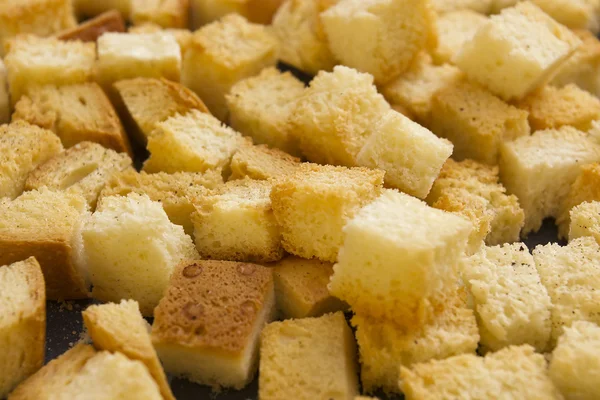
[[183, 36], [583, 67], [585, 221], [454, 30], [91, 30], [166, 13], [585, 188], [257, 11], [262, 163], [574, 14], [448, 6]]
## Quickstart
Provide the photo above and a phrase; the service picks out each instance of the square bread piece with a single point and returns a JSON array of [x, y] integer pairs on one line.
[[120, 328], [571, 274], [207, 327], [585, 221], [260, 107], [228, 50], [585, 188], [235, 222], [574, 14], [22, 148], [262, 163], [92, 29], [22, 322], [183, 36], [410, 154], [447, 6], [332, 116], [511, 304], [83, 169], [475, 121], [454, 30], [381, 37], [384, 347], [34, 61], [258, 11], [540, 169], [582, 68], [131, 248], [309, 358], [397, 255], [313, 205], [301, 288], [76, 113], [166, 13], [46, 225], [575, 363], [516, 372]]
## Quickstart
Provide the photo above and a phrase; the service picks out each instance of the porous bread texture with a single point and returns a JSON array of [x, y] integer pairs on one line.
[[91, 8], [574, 14], [585, 221], [447, 6], [182, 36], [4, 95], [582, 67], [166, 13], [308, 358], [585, 188], [131, 249], [22, 322], [262, 163], [207, 327], [46, 225], [521, 41], [257, 11], [92, 29], [313, 204], [454, 29]]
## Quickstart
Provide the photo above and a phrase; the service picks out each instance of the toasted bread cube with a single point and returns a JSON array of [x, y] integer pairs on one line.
[[91, 30], [381, 37], [4, 95], [228, 50], [410, 154], [447, 6], [397, 255], [574, 14], [219, 309], [260, 107], [385, 347], [76, 113], [166, 13], [541, 168], [22, 148], [331, 118], [583, 66], [194, 142], [183, 36], [310, 358], [23, 322], [92, 8], [313, 205], [454, 30], [34, 61], [475, 121], [262, 163], [258, 11], [301, 288], [585, 188], [131, 249], [522, 41], [585, 221]]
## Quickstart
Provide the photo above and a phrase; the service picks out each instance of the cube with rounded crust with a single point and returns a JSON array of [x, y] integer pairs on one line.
[[585, 221]]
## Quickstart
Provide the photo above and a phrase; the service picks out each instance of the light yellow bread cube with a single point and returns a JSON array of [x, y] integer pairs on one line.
[[447, 6], [574, 14], [331, 118], [575, 364], [228, 50], [183, 36], [454, 30], [309, 358], [381, 37], [4, 95], [22, 322], [540, 169], [92, 8], [22, 148], [399, 254], [166, 13], [260, 107], [585, 188], [301, 288], [585, 221], [258, 11], [583, 66], [521, 41], [218, 309], [131, 248], [262, 163], [475, 121], [314, 203], [410, 154], [92, 29]]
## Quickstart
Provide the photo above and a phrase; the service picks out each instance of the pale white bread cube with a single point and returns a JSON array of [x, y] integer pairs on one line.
[[454, 30], [575, 363], [92, 8], [182, 35], [4, 95], [131, 249], [258, 11], [262, 163], [585, 221], [574, 14], [517, 51], [586, 188], [381, 37], [582, 68], [447, 6], [397, 255], [165, 13]]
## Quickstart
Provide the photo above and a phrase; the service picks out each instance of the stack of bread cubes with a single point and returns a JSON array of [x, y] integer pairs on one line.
[[330, 196]]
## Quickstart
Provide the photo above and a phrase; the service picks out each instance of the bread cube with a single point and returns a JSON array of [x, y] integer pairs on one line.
[[4, 95], [585, 221], [312, 206], [331, 118], [309, 358], [92, 29], [258, 11], [260, 107], [410, 154], [228, 50], [574, 14], [262, 163], [92, 8], [76, 113], [475, 121], [235, 222], [22, 148], [517, 51], [131, 248], [23, 323], [454, 30], [448, 6], [585, 188], [582, 68], [398, 254], [541, 168], [381, 37], [207, 327], [183, 36], [34, 61], [166, 13]]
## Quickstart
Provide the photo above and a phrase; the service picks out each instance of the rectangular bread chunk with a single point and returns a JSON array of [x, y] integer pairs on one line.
[[258, 11], [309, 358], [585, 221], [262, 163], [183, 36], [583, 66], [207, 327], [585, 188], [166, 13], [574, 14], [22, 322], [454, 30], [91, 30]]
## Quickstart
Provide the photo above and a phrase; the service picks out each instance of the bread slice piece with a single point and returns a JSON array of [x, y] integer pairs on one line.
[[22, 322], [166, 13], [454, 30], [257, 11], [309, 358], [91, 30], [577, 14], [583, 66], [585, 221], [585, 188], [207, 326], [262, 163], [444, 7], [183, 36]]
